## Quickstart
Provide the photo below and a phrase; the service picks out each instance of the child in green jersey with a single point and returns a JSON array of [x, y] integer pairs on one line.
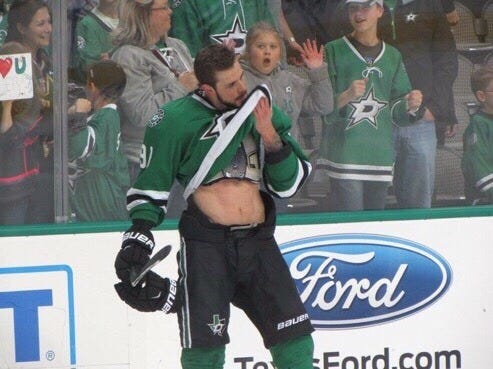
[[99, 175], [477, 162], [372, 91]]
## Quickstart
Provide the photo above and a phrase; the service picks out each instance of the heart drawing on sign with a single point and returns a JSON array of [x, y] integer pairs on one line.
[[5, 65]]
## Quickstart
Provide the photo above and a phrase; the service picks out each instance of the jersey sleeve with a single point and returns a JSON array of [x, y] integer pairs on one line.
[[287, 170], [189, 26], [160, 157]]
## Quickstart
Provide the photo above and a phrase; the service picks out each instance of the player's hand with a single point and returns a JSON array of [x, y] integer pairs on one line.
[[153, 294], [312, 56], [264, 126], [414, 100], [137, 246]]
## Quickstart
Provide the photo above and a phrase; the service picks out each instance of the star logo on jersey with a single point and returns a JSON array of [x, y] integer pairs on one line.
[[218, 124], [237, 32], [217, 326], [411, 17], [366, 109]]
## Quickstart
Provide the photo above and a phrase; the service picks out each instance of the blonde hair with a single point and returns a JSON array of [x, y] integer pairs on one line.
[[255, 31], [134, 24]]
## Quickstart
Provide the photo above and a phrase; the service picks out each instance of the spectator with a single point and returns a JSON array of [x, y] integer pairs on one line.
[[293, 94], [450, 12], [203, 22], [151, 79], [372, 90], [284, 30], [318, 20], [19, 152], [93, 35], [100, 173], [477, 162], [419, 30], [30, 24]]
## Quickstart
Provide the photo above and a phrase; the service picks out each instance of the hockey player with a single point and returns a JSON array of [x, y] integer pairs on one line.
[[228, 253], [99, 175], [372, 90], [477, 162]]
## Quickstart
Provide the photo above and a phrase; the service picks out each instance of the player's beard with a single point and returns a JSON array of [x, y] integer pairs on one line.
[[232, 104]]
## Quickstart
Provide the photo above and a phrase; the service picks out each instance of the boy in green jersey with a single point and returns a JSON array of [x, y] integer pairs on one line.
[[372, 91], [99, 175]]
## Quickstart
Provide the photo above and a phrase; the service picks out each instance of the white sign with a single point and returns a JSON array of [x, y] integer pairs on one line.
[[382, 295], [16, 77]]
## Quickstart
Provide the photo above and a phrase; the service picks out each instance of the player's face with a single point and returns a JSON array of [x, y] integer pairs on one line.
[[364, 17], [38, 33], [265, 52], [230, 89], [160, 18]]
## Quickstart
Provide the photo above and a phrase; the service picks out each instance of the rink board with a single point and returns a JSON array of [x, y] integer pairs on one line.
[[410, 294]]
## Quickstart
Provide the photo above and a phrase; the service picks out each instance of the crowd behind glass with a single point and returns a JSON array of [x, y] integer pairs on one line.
[[133, 56]]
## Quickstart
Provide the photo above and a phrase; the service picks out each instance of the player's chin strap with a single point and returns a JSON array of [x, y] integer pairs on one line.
[[226, 136]]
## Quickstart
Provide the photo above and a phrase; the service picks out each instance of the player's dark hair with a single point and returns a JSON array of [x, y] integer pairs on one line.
[[481, 78], [22, 12], [210, 60], [109, 78]]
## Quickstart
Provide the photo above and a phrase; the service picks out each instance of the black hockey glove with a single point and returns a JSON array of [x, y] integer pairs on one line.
[[155, 293], [137, 246]]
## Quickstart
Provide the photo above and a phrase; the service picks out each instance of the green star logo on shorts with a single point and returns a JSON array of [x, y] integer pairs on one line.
[[217, 326]]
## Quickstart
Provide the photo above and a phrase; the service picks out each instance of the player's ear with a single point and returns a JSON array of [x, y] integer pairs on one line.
[[208, 89]]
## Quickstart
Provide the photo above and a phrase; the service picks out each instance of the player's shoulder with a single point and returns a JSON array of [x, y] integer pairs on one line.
[[175, 114]]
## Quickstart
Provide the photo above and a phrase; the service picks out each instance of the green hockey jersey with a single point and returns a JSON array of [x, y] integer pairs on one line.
[[477, 161], [93, 39], [199, 23], [98, 175], [178, 138], [357, 139]]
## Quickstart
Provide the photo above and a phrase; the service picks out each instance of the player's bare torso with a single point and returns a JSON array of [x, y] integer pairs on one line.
[[231, 201]]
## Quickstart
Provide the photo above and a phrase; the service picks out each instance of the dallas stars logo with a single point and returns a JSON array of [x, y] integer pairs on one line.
[[217, 326], [218, 124], [411, 17], [237, 32], [366, 109]]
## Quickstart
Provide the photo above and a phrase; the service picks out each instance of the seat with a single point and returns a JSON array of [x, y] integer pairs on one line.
[[470, 29]]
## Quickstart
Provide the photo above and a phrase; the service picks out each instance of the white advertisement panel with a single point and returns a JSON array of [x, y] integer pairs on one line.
[[382, 295]]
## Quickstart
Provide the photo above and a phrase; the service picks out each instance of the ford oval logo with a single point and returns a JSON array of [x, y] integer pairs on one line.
[[356, 280]]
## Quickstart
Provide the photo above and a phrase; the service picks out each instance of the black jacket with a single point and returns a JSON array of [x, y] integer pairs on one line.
[[19, 153], [421, 33]]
